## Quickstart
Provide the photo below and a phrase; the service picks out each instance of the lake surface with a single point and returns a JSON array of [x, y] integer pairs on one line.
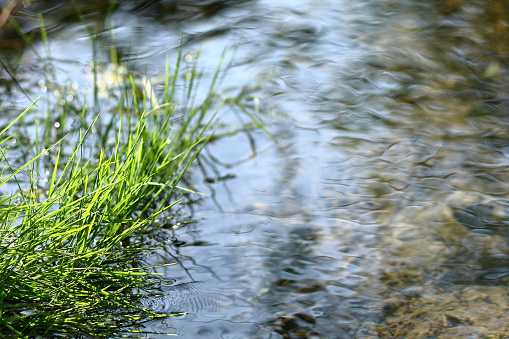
[[379, 207]]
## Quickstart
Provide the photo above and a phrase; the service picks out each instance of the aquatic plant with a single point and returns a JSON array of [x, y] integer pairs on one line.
[[69, 250]]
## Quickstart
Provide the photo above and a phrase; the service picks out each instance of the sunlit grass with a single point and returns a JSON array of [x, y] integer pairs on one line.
[[70, 256]]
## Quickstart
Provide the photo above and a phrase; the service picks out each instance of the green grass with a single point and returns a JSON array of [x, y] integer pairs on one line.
[[70, 244]]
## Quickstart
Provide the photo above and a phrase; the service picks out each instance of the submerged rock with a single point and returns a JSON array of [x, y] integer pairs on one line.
[[460, 312]]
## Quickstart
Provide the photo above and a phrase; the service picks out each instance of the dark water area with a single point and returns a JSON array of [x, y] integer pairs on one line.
[[380, 208]]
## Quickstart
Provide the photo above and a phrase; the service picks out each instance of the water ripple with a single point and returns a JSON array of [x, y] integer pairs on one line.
[[191, 297]]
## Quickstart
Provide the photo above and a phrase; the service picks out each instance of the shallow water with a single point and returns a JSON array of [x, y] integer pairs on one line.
[[380, 210]]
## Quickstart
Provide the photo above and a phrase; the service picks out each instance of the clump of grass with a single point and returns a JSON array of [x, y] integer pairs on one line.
[[69, 260]]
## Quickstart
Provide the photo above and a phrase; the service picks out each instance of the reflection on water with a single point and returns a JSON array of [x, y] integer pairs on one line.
[[382, 208]]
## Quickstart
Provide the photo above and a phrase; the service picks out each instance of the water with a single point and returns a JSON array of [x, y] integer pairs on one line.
[[380, 210]]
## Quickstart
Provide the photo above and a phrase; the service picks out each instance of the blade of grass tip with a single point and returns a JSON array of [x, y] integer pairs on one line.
[[6, 139], [52, 183], [163, 132], [151, 266], [138, 332], [216, 77], [19, 116], [30, 162], [231, 62], [193, 77], [176, 71], [116, 148], [190, 190], [139, 134], [71, 160]]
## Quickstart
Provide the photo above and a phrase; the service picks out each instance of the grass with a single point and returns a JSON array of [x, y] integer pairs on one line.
[[70, 248]]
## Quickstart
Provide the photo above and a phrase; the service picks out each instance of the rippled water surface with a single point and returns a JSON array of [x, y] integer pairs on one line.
[[379, 209]]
